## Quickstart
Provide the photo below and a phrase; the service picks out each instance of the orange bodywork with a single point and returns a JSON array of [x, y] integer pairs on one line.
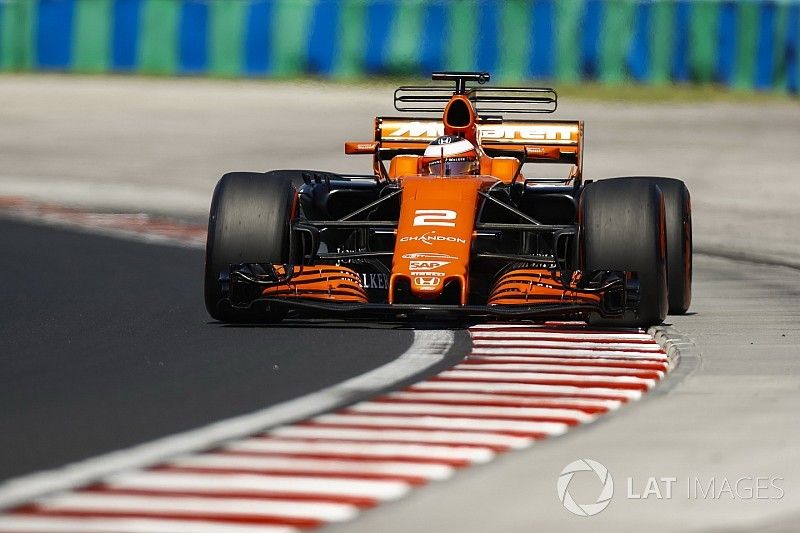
[[542, 141], [531, 286], [435, 231], [320, 282], [434, 234]]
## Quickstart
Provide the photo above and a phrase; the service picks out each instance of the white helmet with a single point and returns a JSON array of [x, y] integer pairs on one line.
[[458, 154]]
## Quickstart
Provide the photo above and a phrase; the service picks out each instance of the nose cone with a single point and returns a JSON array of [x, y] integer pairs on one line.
[[434, 235]]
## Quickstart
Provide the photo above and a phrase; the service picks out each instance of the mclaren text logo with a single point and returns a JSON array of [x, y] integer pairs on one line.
[[426, 265], [527, 133], [604, 478], [431, 237], [426, 282], [500, 132], [419, 130], [435, 217]]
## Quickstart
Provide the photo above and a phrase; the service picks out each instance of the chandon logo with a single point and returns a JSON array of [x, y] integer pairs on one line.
[[431, 237], [603, 499]]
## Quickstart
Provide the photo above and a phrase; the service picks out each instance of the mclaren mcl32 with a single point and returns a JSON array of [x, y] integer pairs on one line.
[[454, 220]]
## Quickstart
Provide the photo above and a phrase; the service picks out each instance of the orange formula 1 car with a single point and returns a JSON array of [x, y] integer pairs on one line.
[[453, 220]]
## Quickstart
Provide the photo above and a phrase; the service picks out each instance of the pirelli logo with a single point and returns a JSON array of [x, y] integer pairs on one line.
[[560, 133]]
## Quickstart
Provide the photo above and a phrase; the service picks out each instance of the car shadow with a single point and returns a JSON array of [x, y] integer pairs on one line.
[[358, 324]]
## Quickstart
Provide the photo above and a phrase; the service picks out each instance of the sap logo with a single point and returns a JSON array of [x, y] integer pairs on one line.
[[419, 129], [528, 133], [426, 265], [429, 274], [429, 255], [434, 217], [431, 237], [426, 282], [374, 281]]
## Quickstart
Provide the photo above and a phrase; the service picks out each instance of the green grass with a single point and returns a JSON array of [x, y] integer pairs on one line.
[[589, 91], [594, 91], [669, 93]]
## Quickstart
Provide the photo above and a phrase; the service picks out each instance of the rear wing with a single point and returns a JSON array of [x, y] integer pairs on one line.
[[470, 109], [530, 141], [485, 100]]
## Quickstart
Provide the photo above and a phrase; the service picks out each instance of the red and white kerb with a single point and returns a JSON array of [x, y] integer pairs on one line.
[[521, 383]]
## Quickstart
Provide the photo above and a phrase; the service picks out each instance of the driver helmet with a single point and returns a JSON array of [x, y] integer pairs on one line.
[[458, 154]]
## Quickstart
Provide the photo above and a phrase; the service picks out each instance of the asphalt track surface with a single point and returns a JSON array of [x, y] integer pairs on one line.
[[85, 367], [105, 343]]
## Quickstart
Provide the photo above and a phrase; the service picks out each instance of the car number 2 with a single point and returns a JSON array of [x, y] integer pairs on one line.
[[434, 217]]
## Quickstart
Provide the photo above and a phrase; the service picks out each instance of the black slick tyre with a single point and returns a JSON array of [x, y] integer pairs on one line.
[[622, 227], [295, 176], [248, 223], [678, 210]]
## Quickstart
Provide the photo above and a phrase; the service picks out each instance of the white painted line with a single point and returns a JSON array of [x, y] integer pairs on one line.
[[195, 506], [443, 423], [529, 388], [483, 334], [374, 450], [55, 524], [543, 359], [511, 377], [600, 371], [570, 353], [307, 466], [436, 409], [258, 483], [594, 346], [428, 348], [572, 327], [476, 398], [473, 411], [403, 435]]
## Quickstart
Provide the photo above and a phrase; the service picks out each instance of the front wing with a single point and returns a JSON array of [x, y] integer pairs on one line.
[[523, 293]]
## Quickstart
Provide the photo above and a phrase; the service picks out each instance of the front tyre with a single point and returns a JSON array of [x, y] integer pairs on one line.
[[248, 223], [622, 226], [678, 209]]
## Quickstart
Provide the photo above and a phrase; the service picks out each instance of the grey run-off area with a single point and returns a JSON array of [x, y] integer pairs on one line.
[[159, 145]]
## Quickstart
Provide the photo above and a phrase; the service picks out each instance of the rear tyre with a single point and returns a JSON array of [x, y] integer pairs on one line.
[[678, 209], [248, 223], [622, 225], [296, 176]]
